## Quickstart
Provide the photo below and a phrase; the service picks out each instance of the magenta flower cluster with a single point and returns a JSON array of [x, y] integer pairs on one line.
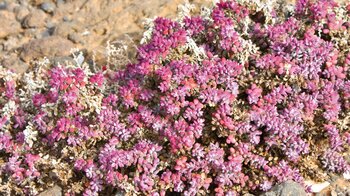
[[226, 103]]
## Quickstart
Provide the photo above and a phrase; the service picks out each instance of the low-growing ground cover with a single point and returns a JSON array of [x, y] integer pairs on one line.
[[234, 100]]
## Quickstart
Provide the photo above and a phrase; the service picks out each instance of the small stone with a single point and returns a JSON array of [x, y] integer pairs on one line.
[[286, 188], [46, 33], [39, 35], [3, 5], [35, 19], [50, 24], [21, 12], [74, 37], [8, 23], [52, 46], [11, 5], [11, 43], [13, 62], [66, 18], [29, 33], [48, 7], [65, 28], [54, 191], [59, 2]]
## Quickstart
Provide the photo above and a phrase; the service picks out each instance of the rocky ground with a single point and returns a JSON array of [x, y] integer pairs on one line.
[[33, 29]]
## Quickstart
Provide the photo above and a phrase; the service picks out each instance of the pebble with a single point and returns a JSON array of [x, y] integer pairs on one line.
[[52, 46], [21, 12], [3, 5], [12, 62], [59, 2], [65, 28], [48, 32], [35, 19], [66, 19], [286, 188], [50, 25], [54, 191], [8, 23], [48, 7], [75, 38]]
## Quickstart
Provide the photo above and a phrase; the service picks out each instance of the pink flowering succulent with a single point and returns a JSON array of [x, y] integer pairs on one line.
[[229, 102]]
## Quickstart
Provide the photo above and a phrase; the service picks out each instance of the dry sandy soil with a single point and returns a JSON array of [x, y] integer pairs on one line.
[[32, 29]]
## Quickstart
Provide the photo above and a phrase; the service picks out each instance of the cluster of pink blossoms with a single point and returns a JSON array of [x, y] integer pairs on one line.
[[226, 103]]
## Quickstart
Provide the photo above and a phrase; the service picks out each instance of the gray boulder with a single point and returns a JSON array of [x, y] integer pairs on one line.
[[54, 191], [288, 188]]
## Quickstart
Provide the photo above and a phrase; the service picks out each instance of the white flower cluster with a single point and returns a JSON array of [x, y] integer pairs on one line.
[[184, 10], [149, 26], [30, 135]]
